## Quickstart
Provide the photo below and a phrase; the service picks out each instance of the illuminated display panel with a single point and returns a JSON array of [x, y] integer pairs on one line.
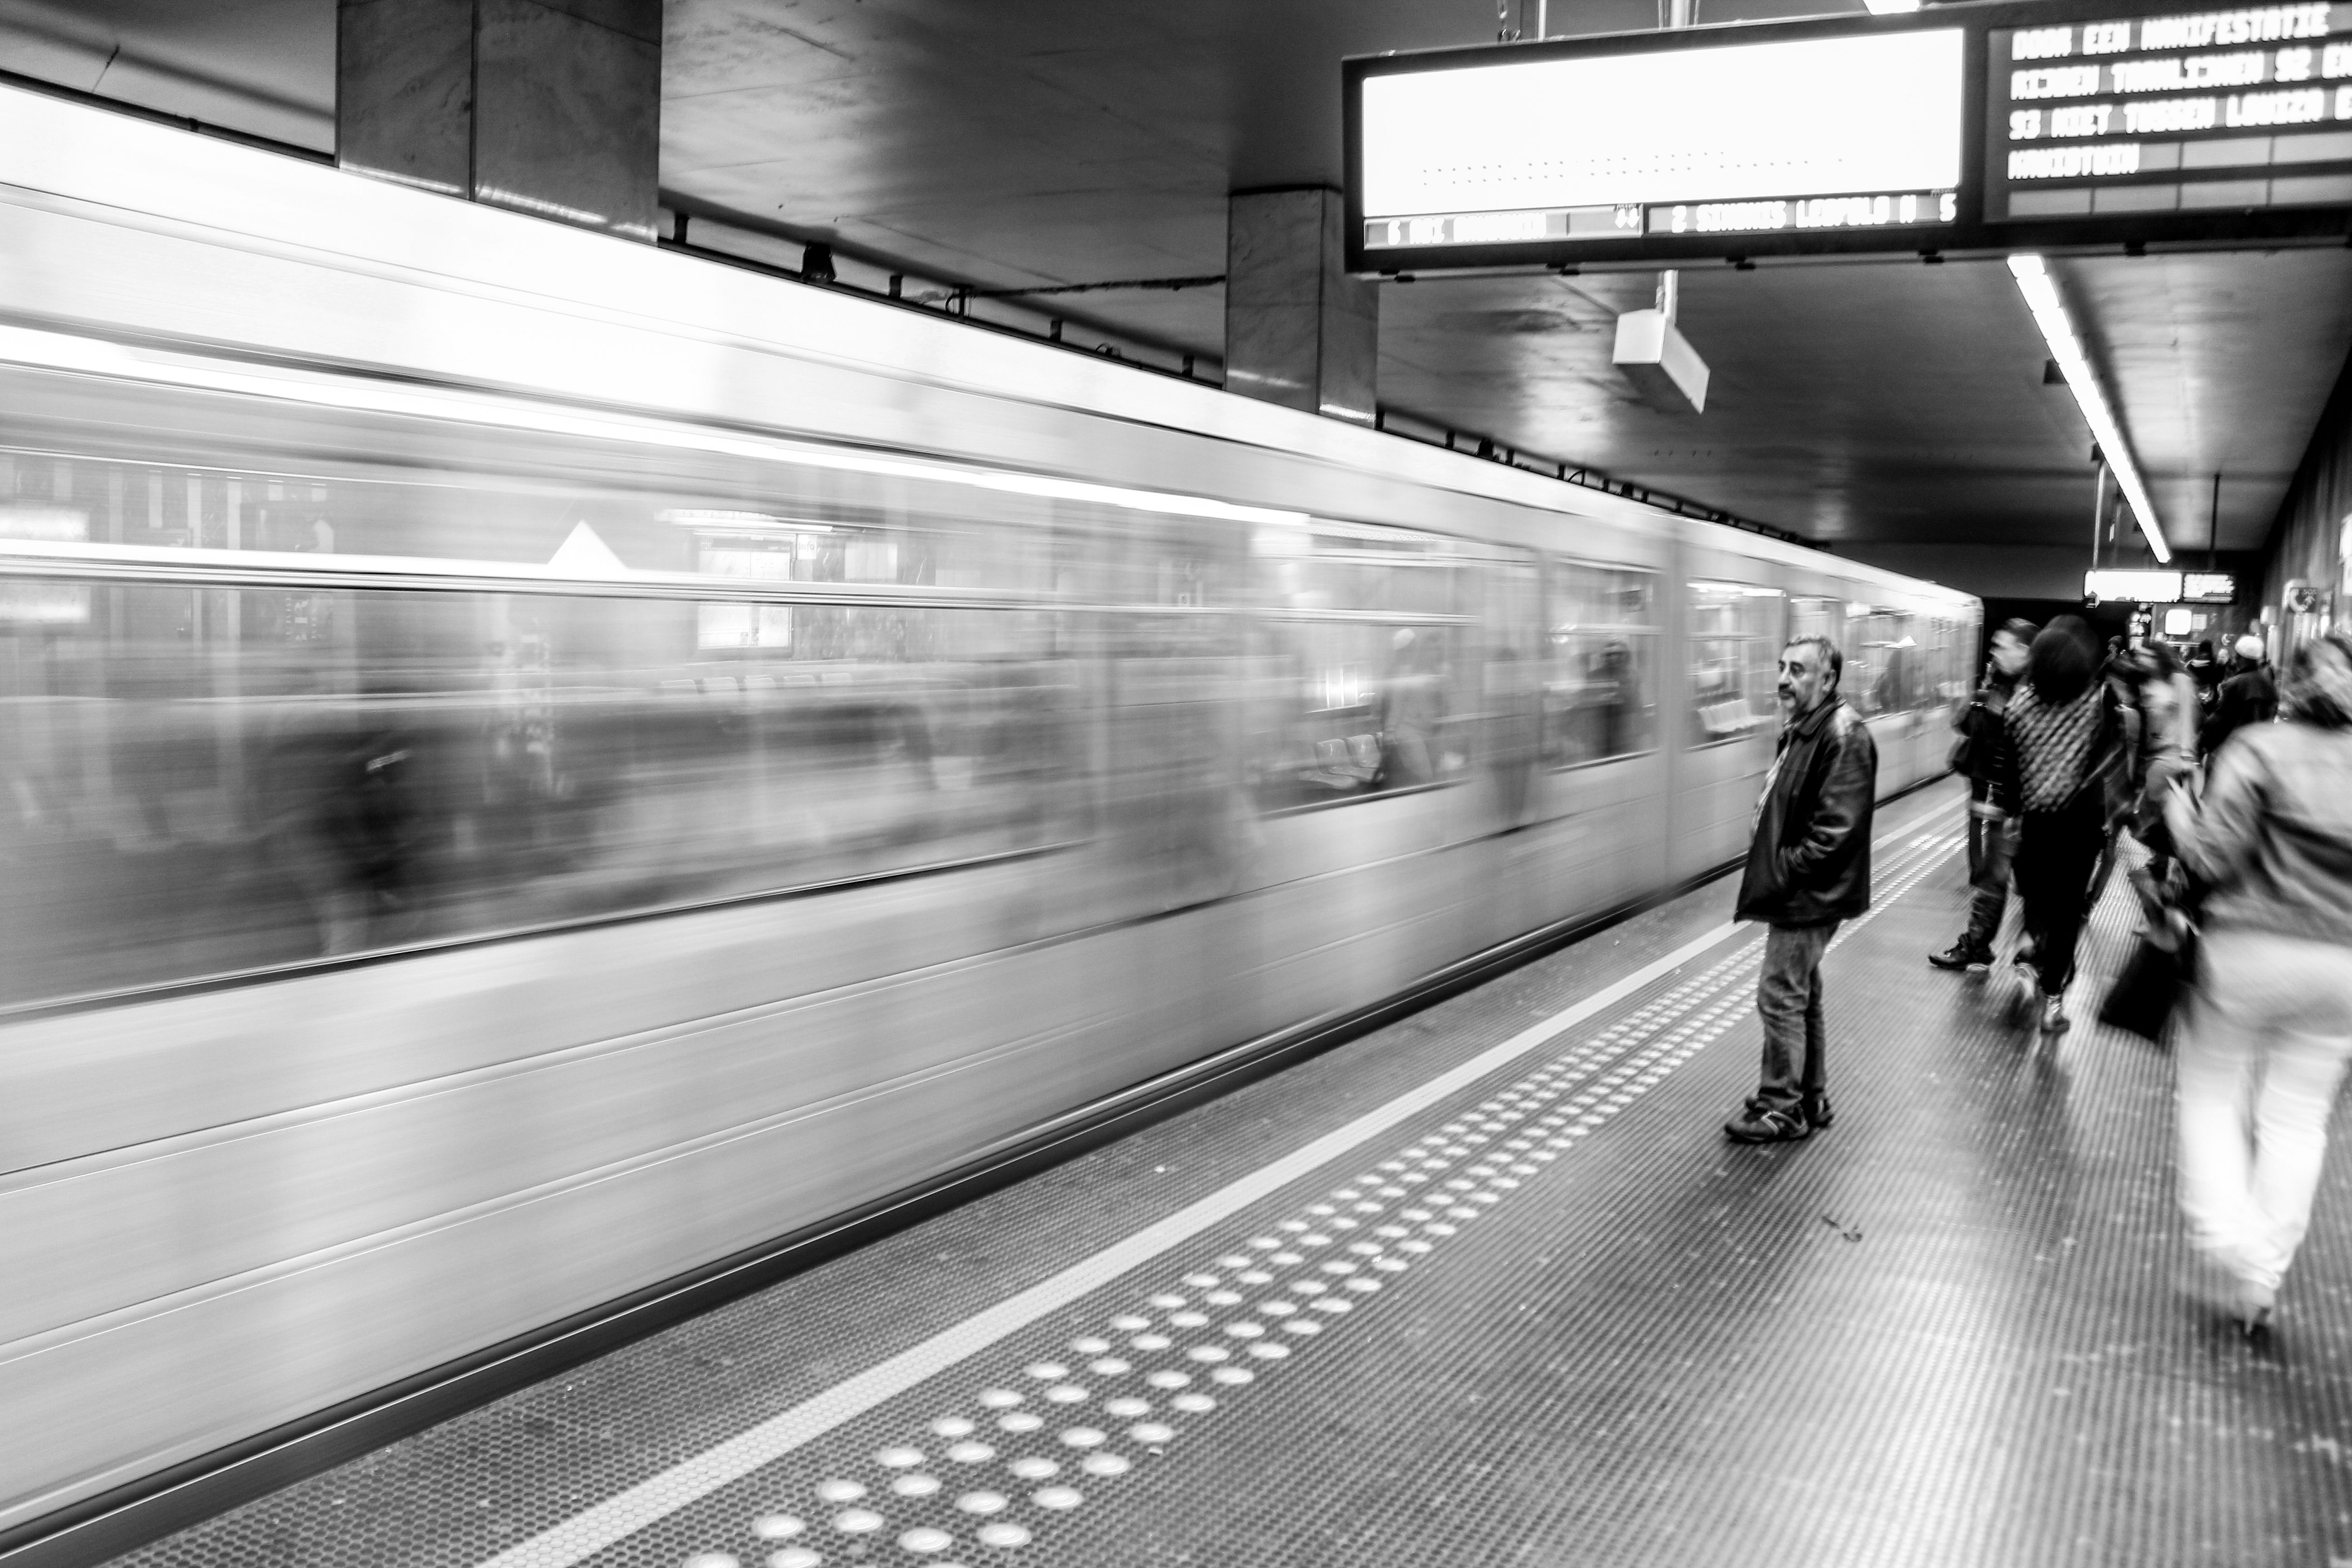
[[1810, 133], [2186, 113]]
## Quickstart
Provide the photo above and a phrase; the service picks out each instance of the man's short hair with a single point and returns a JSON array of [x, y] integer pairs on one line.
[[1829, 653], [2018, 626]]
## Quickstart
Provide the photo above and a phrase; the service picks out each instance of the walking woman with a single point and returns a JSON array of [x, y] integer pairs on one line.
[[2271, 1025], [2061, 756]]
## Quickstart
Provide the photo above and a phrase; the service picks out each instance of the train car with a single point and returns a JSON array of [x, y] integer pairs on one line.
[[537, 766]]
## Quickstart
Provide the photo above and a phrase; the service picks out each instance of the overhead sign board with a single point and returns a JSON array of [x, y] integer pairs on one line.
[[1995, 126], [2138, 587], [1824, 133], [2209, 588], [2211, 111]]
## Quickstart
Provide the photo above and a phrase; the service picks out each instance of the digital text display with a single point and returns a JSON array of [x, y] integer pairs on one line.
[[2197, 112], [1818, 133]]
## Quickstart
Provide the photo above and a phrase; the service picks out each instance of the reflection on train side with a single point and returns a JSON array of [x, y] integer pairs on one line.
[[206, 774]]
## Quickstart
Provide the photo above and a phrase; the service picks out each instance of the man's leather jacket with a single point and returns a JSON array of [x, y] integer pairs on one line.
[[1809, 862]]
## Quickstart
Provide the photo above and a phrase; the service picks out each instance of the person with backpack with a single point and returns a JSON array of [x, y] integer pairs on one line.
[[2059, 772]]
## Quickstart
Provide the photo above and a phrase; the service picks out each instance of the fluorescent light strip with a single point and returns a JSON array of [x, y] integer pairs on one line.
[[2058, 330]]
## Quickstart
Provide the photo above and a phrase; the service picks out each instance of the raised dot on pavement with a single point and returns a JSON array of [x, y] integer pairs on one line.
[[1168, 1379], [777, 1526], [1208, 1352], [1110, 1366], [1128, 1323], [1086, 1344], [1066, 1394], [999, 1398], [923, 1537], [970, 1453], [1187, 1319], [1003, 1535], [1269, 1351], [1200, 1281], [1126, 1409], [1152, 1432], [1019, 1421], [1194, 1404], [795, 1557], [1233, 1375], [982, 1502], [1047, 1369], [1104, 1465], [1057, 1497], [840, 1491], [714, 1560], [1164, 1300], [952, 1426], [1083, 1437], [856, 1520], [1034, 1469], [898, 1458], [915, 1485]]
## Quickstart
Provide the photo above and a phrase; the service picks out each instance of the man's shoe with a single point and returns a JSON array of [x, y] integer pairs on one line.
[[2054, 1016], [1817, 1113], [1960, 955], [1766, 1127]]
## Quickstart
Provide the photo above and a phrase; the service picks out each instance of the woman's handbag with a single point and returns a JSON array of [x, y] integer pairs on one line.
[[2157, 974]]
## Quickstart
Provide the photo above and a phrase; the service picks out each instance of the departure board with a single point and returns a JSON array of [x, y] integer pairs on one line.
[[1991, 126], [2195, 111], [1790, 135]]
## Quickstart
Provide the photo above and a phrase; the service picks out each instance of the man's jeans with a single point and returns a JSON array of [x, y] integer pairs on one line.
[[1991, 881], [1788, 995]]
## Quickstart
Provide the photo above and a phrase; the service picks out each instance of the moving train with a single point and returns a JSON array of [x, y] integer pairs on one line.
[[537, 766]]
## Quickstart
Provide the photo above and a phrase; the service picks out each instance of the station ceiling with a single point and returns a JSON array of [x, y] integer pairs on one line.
[[1893, 410]]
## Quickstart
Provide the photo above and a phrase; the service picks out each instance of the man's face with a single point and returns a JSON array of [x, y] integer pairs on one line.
[[2009, 655], [1805, 679]]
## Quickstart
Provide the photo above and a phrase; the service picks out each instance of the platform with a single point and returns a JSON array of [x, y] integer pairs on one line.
[[1486, 1287]]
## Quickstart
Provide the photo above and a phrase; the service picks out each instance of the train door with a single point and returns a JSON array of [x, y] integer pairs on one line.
[[1602, 771]]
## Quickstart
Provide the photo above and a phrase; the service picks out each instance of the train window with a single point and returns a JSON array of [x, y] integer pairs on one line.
[[1600, 662], [1356, 685], [1812, 616], [209, 772], [1735, 642], [1884, 666]]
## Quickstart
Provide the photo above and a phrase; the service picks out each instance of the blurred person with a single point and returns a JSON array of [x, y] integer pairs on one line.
[[2248, 697], [2167, 700], [2270, 1024], [2121, 674], [1412, 706], [1992, 844], [1807, 870], [2203, 672], [2060, 755], [1607, 698]]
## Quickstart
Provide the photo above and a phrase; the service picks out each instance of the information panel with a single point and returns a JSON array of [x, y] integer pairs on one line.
[[2188, 113], [1997, 125], [1857, 133]]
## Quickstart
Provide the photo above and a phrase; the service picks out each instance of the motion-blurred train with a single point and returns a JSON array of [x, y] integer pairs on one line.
[[534, 765]]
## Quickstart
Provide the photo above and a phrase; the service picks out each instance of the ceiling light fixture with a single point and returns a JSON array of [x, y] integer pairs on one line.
[[1890, 8], [2041, 293]]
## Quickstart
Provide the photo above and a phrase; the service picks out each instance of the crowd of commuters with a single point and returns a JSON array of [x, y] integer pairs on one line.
[[2247, 823]]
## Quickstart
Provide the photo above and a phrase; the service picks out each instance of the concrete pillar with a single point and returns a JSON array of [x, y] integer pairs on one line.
[[550, 107], [1298, 331]]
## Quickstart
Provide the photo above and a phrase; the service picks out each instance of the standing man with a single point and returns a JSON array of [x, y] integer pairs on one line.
[[1808, 868], [1992, 841], [2248, 697]]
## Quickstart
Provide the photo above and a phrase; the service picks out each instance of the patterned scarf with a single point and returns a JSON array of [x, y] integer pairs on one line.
[[2054, 744]]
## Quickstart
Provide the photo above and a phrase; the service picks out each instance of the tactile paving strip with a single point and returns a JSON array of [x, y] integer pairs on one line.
[[1531, 1122]]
